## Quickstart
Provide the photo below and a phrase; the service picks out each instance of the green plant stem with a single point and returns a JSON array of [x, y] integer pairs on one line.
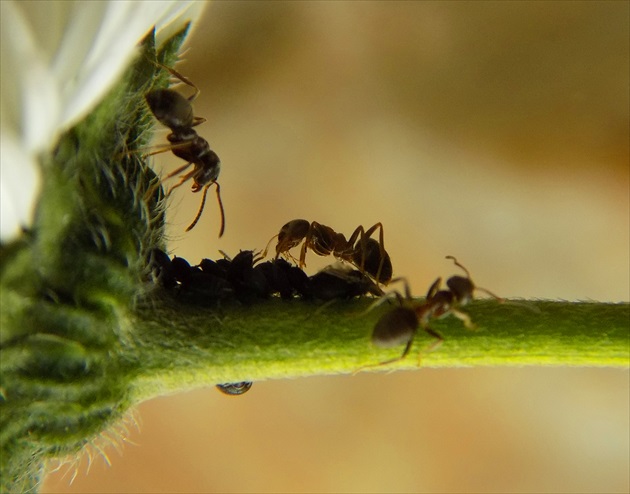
[[179, 346]]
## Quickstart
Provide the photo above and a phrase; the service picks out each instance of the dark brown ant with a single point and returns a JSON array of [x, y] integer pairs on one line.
[[400, 324], [235, 389], [175, 112], [362, 251]]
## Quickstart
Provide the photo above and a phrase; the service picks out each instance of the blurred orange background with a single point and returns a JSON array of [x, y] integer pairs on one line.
[[495, 132]]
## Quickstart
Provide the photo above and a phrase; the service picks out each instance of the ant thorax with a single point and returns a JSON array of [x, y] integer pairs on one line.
[[435, 307], [323, 241], [185, 135]]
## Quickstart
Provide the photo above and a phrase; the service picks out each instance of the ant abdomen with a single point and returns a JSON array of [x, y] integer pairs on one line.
[[209, 174], [170, 108], [373, 258], [395, 327]]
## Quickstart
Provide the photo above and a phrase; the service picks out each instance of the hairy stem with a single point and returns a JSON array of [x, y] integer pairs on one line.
[[178, 346]]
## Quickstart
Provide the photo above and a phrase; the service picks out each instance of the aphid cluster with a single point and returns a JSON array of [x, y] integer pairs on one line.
[[401, 324], [246, 279], [175, 112], [365, 253]]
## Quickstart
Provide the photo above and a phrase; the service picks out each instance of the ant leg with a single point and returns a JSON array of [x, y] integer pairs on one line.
[[381, 244], [465, 318], [387, 296], [162, 149], [359, 233], [183, 180], [302, 263], [390, 361], [307, 241], [439, 339], [154, 150], [363, 236], [404, 353], [178, 171]]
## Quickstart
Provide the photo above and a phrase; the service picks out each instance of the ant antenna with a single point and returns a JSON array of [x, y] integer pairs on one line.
[[203, 203], [222, 229], [459, 265]]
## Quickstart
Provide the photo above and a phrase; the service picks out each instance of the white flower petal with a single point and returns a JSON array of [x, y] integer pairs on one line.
[[26, 82], [19, 185], [173, 20], [111, 50], [58, 61]]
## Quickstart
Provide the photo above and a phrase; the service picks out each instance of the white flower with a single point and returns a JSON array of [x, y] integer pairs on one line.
[[58, 59]]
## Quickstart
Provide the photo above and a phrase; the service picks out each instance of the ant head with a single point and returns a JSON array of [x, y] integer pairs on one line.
[[209, 173], [462, 288], [291, 234]]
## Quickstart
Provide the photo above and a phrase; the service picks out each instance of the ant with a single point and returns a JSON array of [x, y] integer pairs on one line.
[[175, 112], [401, 324], [362, 251]]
